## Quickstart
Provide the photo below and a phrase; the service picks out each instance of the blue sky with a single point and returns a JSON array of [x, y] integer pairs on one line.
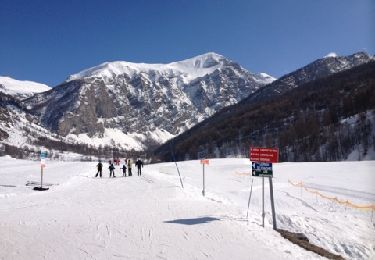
[[46, 41]]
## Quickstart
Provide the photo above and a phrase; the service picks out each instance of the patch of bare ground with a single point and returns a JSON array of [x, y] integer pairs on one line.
[[301, 240]]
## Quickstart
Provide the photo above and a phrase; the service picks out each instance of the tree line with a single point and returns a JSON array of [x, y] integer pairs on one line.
[[323, 120]]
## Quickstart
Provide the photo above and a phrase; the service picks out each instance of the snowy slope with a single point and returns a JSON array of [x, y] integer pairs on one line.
[[21, 88], [151, 217], [341, 230]]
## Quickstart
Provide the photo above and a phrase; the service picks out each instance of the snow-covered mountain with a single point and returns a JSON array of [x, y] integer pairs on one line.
[[21, 88], [136, 105], [322, 120], [328, 65]]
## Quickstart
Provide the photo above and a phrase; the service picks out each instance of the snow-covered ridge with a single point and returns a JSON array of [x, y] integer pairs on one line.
[[188, 69], [358, 55], [21, 88]]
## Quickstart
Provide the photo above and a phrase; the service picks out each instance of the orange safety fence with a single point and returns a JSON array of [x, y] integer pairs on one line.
[[346, 203]]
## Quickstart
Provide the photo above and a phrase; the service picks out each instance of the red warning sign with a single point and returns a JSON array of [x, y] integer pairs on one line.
[[205, 161], [268, 155]]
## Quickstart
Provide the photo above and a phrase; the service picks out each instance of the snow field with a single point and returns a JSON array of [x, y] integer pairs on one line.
[[339, 229], [151, 217]]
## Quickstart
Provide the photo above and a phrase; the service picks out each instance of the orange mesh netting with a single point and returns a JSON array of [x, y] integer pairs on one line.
[[346, 203]]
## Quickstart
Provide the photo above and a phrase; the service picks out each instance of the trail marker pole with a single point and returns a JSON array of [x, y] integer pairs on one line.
[[248, 202], [204, 162], [203, 191], [41, 176], [43, 155], [263, 201], [178, 171]]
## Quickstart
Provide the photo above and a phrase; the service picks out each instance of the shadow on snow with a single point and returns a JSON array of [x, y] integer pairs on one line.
[[192, 221]]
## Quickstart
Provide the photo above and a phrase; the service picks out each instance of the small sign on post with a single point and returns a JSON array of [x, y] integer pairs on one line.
[[204, 162], [43, 155]]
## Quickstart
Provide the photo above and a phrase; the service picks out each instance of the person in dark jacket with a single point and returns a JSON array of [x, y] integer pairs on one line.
[[124, 170], [139, 165], [100, 169], [111, 170]]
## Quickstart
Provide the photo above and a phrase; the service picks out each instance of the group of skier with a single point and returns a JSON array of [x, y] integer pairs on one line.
[[126, 166]]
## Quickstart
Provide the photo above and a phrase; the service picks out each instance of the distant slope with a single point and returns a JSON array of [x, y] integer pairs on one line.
[[325, 119], [21, 88]]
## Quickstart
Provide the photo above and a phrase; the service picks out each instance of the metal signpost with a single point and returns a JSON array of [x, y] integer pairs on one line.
[[204, 162], [262, 159], [43, 155]]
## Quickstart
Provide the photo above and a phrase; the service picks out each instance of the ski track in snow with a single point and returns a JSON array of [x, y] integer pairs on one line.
[[151, 217]]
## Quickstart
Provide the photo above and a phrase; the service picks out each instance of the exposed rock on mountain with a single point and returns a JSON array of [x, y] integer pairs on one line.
[[136, 104]]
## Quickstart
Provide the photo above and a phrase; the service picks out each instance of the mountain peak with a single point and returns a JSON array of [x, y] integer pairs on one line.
[[194, 67], [203, 61], [330, 55]]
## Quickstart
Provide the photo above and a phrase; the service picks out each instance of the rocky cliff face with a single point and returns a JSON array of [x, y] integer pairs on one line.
[[152, 102]]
